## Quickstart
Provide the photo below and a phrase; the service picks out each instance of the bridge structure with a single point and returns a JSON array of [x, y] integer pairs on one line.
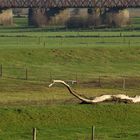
[[69, 3], [43, 10]]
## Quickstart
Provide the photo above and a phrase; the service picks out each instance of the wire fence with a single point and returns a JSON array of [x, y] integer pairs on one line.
[[37, 133], [71, 133], [84, 79]]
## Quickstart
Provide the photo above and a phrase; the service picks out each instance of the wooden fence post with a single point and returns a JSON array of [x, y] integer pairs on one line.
[[92, 136], [26, 74], [1, 70], [99, 81], [129, 43], [39, 41], [61, 41], [76, 78], [124, 84], [123, 39], [51, 77], [44, 43], [34, 133]]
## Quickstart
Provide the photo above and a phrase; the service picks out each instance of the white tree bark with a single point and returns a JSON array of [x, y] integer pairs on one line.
[[103, 98]]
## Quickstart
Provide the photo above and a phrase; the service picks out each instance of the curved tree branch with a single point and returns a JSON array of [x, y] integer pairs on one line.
[[103, 98]]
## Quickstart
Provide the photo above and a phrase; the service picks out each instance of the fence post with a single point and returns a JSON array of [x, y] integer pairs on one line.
[[92, 136], [26, 74], [129, 43], [34, 133], [1, 70], [99, 81], [76, 78], [124, 84], [39, 40], [61, 40], [123, 39], [44, 43], [51, 77]]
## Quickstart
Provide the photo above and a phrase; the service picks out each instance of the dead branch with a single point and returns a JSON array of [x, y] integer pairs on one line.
[[104, 98]]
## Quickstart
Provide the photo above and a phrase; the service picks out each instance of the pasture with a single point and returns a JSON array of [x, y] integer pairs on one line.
[[32, 57]]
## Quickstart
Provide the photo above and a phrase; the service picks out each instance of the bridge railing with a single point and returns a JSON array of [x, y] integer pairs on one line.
[[69, 3]]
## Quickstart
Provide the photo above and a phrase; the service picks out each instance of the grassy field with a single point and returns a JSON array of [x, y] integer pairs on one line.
[[59, 53], [110, 54], [71, 122]]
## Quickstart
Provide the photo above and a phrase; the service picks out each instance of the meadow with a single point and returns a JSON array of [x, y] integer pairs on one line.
[[67, 54]]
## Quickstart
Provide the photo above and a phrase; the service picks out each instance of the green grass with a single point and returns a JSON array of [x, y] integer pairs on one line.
[[71, 122], [85, 55], [18, 92], [65, 53], [67, 61]]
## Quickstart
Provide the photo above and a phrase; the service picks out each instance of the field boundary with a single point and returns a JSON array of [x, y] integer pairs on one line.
[[83, 79]]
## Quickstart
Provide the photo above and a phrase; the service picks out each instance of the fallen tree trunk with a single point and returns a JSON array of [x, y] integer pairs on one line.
[[104, 98]]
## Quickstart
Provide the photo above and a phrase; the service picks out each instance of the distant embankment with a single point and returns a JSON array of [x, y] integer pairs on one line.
[[134, 12]]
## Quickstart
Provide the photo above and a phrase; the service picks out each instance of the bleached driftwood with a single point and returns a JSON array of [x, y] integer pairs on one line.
[[103, 98]]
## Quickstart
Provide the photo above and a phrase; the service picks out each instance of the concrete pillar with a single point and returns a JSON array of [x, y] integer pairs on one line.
[[78, 18], [60, 17], [6, 17], [43, 17], [116, 17], [84, 18], [37, 17], [94, 17]]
